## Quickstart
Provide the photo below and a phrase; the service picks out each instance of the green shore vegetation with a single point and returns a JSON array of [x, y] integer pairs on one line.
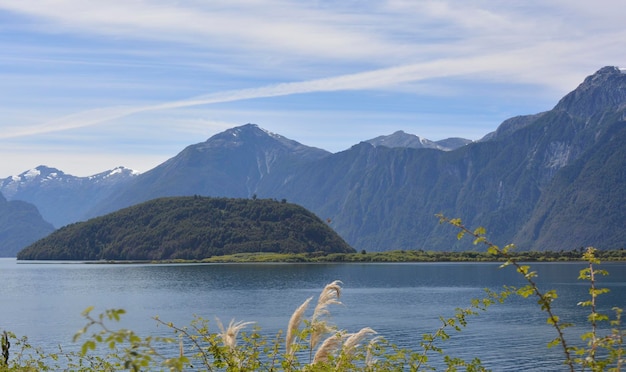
[[410, 256]]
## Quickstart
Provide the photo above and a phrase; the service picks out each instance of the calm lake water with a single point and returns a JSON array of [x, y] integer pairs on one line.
[[399, 301]]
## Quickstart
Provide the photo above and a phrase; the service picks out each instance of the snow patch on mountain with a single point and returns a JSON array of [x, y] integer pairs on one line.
[[31, 173], [271, 134], [405, 140]]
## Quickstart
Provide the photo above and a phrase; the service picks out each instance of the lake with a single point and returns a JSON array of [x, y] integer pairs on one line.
[[401, 301]]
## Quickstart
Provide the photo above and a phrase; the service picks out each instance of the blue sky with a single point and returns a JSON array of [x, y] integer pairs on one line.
[[89, 85]]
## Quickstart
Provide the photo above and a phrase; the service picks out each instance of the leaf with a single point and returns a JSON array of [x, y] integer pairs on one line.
[[554, 342], [480, 239], [493, 250], [508, 247], [552, 320], [455, 222], [525, 291], [480, 231], [86, 346], [87, 311]]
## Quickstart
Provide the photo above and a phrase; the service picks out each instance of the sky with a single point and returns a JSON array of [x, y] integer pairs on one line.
[[88, 85]]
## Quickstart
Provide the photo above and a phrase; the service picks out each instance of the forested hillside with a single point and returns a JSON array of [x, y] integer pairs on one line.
[[190, 228]]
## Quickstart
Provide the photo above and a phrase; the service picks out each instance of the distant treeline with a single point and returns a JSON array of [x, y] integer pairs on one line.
[[416, 256]]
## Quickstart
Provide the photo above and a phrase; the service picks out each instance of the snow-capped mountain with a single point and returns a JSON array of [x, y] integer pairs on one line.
[[402, 139], [63, 198]]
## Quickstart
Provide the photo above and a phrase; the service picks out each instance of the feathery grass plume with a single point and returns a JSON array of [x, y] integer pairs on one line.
[[329, 296], [370, 360], [353, 339], [328, 347], [229, 335], [294, 324]]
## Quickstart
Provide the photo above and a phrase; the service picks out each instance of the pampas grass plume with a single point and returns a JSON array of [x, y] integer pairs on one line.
[[328, 347], [329, 296], [229, 335], [294, 324], [369, 356], [353, 340]]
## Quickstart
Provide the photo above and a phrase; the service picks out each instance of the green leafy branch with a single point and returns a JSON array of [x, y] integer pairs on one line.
[[126, 348], [544, 299]]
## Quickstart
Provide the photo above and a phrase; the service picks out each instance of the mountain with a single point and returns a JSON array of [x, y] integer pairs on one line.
[[531, 183], [232, 164], [190, 228], [402, 139], [588, 193], [552, 180], [20, 225], [63, 198]]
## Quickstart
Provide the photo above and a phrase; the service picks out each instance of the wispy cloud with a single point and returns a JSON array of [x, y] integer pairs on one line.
[[133, 58], [280, 26], [367, 33], [495, 65]]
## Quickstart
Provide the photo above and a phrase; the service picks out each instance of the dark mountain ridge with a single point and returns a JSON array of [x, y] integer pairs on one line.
[[503, 183], [20, 225], [553, 180]]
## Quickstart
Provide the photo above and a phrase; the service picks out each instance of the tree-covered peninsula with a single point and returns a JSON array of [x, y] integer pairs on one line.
[[191, 228]]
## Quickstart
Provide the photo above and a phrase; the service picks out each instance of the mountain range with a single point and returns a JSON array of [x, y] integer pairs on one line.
[[62, 198], [548, 181]]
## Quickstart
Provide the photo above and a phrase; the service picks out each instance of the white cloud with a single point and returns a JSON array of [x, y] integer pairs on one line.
[[131, 61], [517, 66], [482, 66], [270, 26]]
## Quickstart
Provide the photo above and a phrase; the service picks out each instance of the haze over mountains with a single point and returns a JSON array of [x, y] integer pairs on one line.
[[553, 180]]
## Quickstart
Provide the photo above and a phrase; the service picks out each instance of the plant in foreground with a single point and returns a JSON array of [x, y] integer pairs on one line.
[[611, 345]]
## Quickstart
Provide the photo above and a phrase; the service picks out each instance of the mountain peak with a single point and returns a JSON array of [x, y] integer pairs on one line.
[[402, 139], [115, 173], [609, 70], [242, 134], [606, 89], [39, 172], [253, 136], [601, 76]]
